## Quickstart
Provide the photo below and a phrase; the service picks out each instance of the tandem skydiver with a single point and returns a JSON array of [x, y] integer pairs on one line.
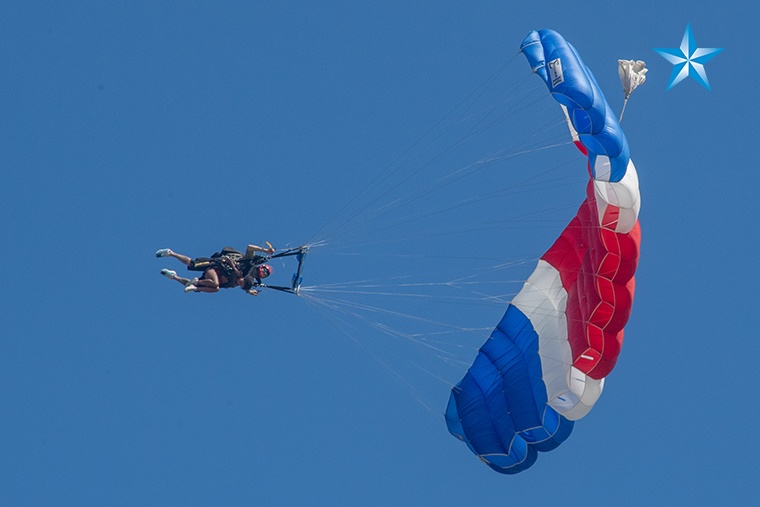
[[226, 269]]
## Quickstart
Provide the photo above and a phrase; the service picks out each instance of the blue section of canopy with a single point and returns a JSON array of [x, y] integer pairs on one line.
[[574, 86], [499, 409]]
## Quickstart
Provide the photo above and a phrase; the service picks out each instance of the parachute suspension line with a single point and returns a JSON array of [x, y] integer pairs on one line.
[[529, 184], [344, 306], [346, 329], [534, 218], [389, 170], [456, 176], [519, 148], [482, 297], [349, 330], [397, 165], [353, 309], [324, 306], [361, 311], [472, 289], [524, 105]]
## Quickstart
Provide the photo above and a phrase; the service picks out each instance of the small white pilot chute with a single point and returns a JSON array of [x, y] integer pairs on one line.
[[632, 74]]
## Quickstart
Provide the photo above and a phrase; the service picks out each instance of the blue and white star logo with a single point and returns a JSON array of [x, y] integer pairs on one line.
[[688, 60]]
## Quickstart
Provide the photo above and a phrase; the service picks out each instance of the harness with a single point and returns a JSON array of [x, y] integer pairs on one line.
[[225, 263]]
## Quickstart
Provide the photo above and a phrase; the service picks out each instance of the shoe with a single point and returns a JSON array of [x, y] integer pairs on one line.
[[191, 288], [164, 252], [168, 273]]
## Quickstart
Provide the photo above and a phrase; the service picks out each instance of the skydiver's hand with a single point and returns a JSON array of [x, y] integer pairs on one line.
[[270, 249], [253, 292]]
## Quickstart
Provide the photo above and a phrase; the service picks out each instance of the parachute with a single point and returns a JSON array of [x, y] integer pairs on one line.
[[632, 74], [544, 365]]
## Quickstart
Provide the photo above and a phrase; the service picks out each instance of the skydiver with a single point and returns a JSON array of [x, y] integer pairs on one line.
[[221, 269]]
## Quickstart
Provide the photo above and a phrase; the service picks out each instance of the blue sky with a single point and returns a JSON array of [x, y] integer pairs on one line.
[[192, 125]]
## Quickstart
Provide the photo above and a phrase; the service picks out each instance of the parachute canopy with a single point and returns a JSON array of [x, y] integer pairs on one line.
[[544, 365]]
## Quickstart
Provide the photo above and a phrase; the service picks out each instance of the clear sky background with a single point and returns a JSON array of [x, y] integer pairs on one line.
[[195, 125]]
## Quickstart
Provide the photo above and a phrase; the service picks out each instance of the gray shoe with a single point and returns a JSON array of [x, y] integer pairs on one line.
[[168, 273]]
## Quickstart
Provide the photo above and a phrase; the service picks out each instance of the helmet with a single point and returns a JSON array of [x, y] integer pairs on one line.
[[267, 270]]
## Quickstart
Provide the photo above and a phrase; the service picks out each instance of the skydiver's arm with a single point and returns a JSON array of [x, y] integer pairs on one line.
[[252, 249]]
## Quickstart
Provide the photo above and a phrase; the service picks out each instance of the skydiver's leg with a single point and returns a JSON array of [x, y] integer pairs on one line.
[[172, 275], [183, 281], [168, 252], [209, 282], [184, 259]]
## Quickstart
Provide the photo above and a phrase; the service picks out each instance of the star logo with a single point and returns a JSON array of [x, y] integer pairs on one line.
[[688, 60]]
